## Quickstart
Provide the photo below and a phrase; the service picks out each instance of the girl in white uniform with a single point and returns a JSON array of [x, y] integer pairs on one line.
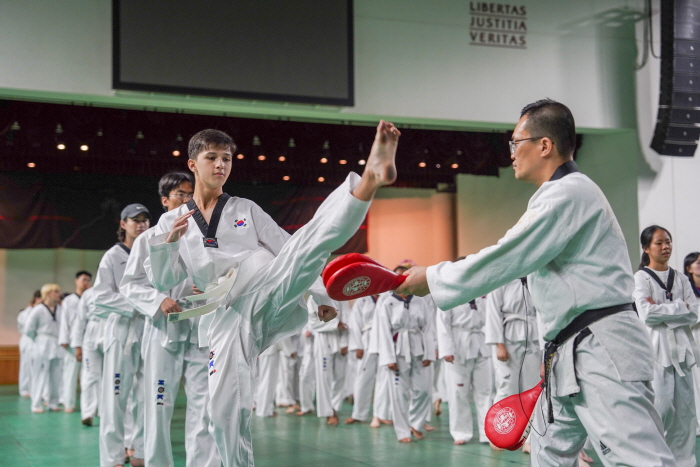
[[262, 306], [406, 349], [42, 328], [87, 337], [667, 305], [691, 266], [71, 365], [25, 348], [122, 348], [460, 337], [307, 370]]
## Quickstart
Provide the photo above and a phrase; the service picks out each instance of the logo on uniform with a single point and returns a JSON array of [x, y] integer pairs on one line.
[[210, 242], [212, 370], [117, 382], [504, 421], [604, 449], [240, 223], [160, 397], [356, 286]]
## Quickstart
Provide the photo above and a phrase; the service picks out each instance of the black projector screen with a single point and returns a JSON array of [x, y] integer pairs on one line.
[[277, 50]]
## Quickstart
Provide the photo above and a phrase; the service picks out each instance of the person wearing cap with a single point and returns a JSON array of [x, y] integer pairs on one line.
[[123, 331], [252, 272], [171, 350]]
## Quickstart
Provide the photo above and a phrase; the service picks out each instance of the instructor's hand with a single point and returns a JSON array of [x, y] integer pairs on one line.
[[170, 306], [415, 284], [179, 227], [326, 313], [502, 353]]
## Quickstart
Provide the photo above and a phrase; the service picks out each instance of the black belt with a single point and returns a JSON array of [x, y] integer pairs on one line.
[[577, 327]]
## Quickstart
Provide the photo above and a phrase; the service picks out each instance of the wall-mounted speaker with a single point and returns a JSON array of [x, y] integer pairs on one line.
[[678, 123]]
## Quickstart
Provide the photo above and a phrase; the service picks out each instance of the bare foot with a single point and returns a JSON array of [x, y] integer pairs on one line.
[[37, 410], [129, 452], [375, 423], [459, 441], [405, 440], [380, 169], [274, 414], [386, 422], [68, 410], [585, 457], [333, 420], [292, 408], [301, 413], [416, 433], [438, 407], [427, 427], [495, 448], [350, 421], [136, 462], [526, 448]]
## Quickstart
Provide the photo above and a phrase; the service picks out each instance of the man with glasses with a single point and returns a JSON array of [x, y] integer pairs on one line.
[[171, 350], [598, 360]]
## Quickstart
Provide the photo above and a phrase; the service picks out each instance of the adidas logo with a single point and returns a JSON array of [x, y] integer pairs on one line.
[[604, 449]]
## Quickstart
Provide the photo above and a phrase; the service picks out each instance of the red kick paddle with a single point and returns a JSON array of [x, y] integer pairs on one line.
[[508, 421], [354, 275]]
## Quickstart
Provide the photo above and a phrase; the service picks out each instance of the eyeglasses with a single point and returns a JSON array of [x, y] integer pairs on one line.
[[182, 196], [514, 144]]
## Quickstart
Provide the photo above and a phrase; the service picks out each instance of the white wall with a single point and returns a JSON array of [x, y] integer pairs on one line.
[[413, 62], [24, 271], [667, 186]]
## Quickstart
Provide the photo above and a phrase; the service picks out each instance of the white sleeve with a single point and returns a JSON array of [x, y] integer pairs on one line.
[[78, 329], [32, 324], [135, 285], [164, 267], [538, 237], [106, 292], [429, 337], [444, 333], [493, 328], [355, 325], [673, 314], [64, 324], [385, 340]]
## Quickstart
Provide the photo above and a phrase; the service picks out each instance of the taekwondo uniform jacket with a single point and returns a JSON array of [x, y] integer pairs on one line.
[[411, 324], [511, 316], [460, 331], [42, 328]]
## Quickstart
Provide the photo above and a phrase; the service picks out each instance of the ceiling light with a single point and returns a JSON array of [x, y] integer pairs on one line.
[[176, 153], [455, 166], [342, 162], [362, 162], [15, 126], [281, 158], [261, 157], [31, 165], [84, 147], [323, 160], [437, 166], [61, 146], [240, 156], [422, 164], [321, 179], [285, 178]]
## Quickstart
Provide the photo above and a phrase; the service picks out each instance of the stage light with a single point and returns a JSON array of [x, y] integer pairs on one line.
[[61, 146], [362, 162], [342, 162], [323, 160], [176, 153], [285, 178], [31, 165], [240, 156], [261, 157], [281, 158], [84, 147], [321, 179]]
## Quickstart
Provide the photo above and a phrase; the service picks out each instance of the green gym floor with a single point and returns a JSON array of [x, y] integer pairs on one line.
[[59, 440]]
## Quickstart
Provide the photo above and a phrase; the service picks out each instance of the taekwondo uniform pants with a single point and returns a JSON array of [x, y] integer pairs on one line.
[[351, 369], [619, 417], [90, 382], [330, 382], [268, 373], [162, 371], [118, 379], [507, 373], [382, 397], [410, 395], [46, 378], [71, 368], [287, 393], [675, 401], [25, 366], [307, 379], [265, 313], [460, 377], [364, 383]]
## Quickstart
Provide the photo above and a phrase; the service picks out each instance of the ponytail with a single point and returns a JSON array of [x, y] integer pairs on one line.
[[645, 240]]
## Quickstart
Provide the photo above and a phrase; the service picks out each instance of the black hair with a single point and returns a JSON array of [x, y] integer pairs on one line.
[[552, 119], [645, 240], [206, 138], [83, 273], [121, 234], [172, 180], [690, 259]]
